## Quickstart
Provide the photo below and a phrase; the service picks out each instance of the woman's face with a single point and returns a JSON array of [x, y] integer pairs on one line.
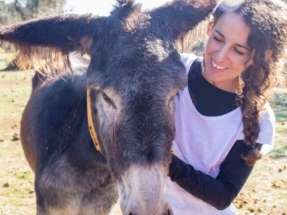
[[227, 52]]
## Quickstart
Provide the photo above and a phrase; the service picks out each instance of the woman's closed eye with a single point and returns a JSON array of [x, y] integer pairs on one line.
[[238, 52], [217, 39]]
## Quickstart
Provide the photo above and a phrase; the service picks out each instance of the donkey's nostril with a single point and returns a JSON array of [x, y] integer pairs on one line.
[[169, 212], [130, 213]]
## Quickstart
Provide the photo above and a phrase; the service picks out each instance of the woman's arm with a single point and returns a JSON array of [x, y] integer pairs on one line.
[[220, 191]]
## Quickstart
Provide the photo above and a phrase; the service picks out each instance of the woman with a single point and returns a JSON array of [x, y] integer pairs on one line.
[[223, 117]]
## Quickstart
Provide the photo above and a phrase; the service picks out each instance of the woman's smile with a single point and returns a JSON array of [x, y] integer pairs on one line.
[[216, 67]]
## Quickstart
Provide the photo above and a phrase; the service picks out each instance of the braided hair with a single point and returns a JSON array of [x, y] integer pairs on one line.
[[268, 22]]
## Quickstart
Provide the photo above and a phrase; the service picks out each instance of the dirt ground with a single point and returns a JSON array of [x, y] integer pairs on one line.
[[264, 193]]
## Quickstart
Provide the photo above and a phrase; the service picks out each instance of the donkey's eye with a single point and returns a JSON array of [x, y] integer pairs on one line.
[[171, 100], [108, 100]]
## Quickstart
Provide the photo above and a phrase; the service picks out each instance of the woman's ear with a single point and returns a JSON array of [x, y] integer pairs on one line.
[[268, 54]]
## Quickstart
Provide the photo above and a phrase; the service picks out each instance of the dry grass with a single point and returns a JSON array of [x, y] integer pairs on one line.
[[266, 189], [265, 192], [16, 182]]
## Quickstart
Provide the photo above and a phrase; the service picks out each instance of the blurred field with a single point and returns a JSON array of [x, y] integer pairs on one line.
[[16, 181], [265, 192]]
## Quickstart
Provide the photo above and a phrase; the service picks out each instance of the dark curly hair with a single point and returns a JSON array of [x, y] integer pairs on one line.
[[268, 22]]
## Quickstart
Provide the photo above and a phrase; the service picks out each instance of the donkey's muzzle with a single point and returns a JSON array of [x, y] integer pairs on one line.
[[142, 190]]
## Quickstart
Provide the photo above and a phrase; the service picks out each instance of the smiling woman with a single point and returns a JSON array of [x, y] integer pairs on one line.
[[223, 119]]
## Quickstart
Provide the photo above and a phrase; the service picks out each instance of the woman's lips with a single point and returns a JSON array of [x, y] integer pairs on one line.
[[217, 67]]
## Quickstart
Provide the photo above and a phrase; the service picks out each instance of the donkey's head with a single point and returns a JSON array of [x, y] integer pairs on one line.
[[133, 76]]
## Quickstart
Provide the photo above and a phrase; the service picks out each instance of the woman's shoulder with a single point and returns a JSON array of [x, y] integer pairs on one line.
[[267, 116], [267, 128], [187, 59]]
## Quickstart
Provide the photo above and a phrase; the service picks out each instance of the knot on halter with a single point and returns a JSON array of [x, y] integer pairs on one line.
[[251, 147]]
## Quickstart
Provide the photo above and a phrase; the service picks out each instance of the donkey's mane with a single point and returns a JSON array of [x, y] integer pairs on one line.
[[124, 8]]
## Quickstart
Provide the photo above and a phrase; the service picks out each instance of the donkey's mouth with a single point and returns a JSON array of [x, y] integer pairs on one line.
[[169, 212], [142, 191]]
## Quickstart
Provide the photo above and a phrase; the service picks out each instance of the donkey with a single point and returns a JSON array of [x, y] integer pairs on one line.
[[130, 82]]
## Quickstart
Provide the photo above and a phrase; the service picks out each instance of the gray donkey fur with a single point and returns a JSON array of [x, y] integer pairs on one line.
[[134, 73]]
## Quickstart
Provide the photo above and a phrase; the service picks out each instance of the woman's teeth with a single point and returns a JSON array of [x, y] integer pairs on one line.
[[217, 66]]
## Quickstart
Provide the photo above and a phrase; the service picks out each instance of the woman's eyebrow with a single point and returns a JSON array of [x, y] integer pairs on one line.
[[241, 46]]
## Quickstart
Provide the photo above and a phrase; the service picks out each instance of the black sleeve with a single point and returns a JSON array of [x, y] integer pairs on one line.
[[220, 191]]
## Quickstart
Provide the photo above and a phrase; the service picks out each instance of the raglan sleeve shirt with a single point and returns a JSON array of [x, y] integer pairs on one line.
[[220, 191]]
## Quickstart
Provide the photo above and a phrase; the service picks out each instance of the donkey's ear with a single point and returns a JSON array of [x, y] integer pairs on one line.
[[65, 33], [180, 16]]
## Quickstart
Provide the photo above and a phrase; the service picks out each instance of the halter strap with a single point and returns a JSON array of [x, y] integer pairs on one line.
[[92, 129]]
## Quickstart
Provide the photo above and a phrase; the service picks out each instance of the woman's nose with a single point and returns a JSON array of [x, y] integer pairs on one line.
[[221, 54]]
